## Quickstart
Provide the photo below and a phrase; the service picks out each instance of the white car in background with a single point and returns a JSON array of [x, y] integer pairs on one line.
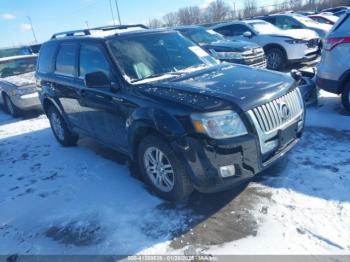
[[281, 46]]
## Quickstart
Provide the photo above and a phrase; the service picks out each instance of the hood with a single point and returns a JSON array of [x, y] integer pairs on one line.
[[222, 87], [21, 80], [303, 34], [234, 45]]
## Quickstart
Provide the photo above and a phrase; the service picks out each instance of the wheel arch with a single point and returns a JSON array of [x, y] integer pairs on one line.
[[274, 45], [149, 121]]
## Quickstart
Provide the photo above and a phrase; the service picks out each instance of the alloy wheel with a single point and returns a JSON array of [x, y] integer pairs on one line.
[[159, 169], [57, 126], [273, 60]]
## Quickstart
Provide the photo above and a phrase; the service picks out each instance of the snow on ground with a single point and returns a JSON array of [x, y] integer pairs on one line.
[[84, 200]]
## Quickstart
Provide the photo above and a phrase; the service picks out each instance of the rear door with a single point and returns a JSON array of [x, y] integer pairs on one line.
[[66, 86]]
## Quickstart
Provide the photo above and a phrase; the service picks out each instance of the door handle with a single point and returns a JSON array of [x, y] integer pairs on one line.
[[82, 92], [117, 99]]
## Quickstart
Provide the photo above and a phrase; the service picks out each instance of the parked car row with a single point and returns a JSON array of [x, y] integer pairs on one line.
[[164, 98], [281, 47]]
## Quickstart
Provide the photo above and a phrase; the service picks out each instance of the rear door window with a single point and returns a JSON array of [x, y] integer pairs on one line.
[[46, 58], [66, 59]]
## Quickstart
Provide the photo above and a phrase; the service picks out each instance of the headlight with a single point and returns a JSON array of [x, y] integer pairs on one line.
[[227, 55], [219, 125], [296, 41], [23, 91]]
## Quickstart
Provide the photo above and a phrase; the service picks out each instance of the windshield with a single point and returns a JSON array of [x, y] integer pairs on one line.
[[306, 20], [201, 36], [17, 67], [264, 27], [157, 54], [14, 52]]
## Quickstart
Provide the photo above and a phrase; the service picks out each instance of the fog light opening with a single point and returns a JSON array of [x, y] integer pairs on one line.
[[271, 145], [300, 125], [227, 171]]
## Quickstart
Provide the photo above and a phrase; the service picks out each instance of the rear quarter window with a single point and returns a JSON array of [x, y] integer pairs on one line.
[[46, 58], [343, 24]]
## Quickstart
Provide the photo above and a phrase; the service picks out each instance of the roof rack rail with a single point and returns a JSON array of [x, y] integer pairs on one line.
[[71, 33], [116, 27], [102, 28]]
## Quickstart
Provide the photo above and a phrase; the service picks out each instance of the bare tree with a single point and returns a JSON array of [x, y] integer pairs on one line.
[[217, 10], [250, 8], [170, 19], [189, 15], [154, 23]]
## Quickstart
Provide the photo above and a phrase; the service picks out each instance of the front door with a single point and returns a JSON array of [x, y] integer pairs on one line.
[[105, 111]]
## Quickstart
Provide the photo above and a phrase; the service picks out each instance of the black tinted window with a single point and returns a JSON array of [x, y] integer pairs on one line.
[[46, 58], [232, 30], [65, 62], [271, 20], [92, 59]]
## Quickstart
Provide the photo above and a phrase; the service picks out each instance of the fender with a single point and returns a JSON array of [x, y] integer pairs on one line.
[[47, 100], [147, 120], [268, 46]]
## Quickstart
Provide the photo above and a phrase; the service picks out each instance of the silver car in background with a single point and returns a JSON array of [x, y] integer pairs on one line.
[[281, 46], [333, 72], [17, 84]]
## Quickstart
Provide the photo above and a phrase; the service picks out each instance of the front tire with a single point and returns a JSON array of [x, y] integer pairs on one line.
[[162, 170], [346, 96], [10, 107], [60, 129], [276, 59]]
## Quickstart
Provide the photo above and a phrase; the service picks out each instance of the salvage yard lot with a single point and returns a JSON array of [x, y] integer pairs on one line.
[[85, 200]]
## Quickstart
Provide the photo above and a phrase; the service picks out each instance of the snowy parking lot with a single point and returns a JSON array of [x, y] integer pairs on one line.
[[85, 200]]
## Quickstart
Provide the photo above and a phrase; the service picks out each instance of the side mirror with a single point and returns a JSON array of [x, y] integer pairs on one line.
[[247, 34], [97, 79]]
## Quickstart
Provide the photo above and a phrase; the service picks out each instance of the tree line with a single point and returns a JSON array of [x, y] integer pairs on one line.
[[220, 11]]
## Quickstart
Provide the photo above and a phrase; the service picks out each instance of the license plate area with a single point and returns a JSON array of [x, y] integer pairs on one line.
[[287, 135]]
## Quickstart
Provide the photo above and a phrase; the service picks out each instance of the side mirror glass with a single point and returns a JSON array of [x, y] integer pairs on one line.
[[97, 79], [247, 34]]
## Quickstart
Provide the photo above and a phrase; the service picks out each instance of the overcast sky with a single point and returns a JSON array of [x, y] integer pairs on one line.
[[50, 16]]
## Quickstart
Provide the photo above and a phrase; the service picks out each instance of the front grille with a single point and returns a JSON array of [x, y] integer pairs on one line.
[[270, 116], [313, 43]]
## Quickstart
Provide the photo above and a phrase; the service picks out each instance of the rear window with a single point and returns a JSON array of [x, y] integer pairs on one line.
[[66, 59], [46, 58]]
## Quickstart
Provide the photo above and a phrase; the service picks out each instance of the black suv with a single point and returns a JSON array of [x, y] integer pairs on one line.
[[188, 121], [233, 51]]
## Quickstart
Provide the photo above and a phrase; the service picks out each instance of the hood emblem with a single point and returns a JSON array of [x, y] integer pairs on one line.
[[284, 110]]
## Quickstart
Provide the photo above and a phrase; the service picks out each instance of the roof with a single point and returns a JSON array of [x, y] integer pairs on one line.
[[9, 58], [100, 32]]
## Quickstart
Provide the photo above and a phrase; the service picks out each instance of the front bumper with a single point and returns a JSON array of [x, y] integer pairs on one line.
[[298, 53], [27, 101], [329, 85], [203, 159]]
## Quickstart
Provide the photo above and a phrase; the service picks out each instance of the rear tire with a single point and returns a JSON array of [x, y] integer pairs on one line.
[[276, 59], [162, 170], [346, 96], [60, 129], [10, 107]]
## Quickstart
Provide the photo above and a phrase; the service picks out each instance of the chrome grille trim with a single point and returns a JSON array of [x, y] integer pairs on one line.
[[268, 115], [268, 121]]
